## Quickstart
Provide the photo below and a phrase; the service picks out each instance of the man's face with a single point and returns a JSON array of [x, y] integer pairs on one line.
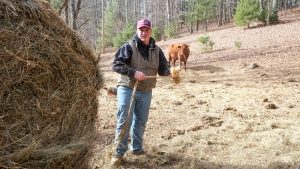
[[144, 34]]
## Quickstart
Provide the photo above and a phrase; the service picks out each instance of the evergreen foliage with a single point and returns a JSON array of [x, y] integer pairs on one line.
[[125, 35], [273, 17], [171, 30], [156, 33], [268, 14], [190, 13], [56, 4], [207, 43], [246, 12], [199, 11], [205, 9], [110, 22], [238, 44], [191, 16]]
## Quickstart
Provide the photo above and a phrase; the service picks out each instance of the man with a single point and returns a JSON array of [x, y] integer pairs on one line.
[[134, 61]]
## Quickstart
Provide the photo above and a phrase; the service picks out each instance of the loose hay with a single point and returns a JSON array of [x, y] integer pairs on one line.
[[50, 81], [175, 74]]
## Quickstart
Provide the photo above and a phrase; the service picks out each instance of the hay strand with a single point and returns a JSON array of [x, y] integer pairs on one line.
[[175, 74]]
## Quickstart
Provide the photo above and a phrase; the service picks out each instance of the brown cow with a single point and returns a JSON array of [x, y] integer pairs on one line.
[[179, 52]]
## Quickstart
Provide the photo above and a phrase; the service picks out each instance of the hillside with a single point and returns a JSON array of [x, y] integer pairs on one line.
[[234, 108]]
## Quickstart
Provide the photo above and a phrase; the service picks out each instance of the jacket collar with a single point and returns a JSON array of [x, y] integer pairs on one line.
[[138, 41]]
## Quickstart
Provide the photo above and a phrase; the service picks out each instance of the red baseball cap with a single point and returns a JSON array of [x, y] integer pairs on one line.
[[143, 23]]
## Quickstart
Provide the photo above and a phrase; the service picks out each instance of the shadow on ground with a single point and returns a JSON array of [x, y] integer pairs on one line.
[[170, 161]]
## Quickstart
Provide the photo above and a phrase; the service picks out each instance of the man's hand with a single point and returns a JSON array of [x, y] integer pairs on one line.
[[139, 76]]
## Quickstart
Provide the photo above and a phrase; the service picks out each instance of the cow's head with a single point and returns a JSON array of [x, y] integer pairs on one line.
[[183, 51]]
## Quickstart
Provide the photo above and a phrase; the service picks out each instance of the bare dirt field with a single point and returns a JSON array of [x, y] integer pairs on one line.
[[234, 108]]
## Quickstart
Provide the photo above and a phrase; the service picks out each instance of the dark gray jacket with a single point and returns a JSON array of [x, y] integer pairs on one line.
[[134, 55]]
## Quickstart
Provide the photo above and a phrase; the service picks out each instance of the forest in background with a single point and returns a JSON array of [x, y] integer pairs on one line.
[[109, 23]]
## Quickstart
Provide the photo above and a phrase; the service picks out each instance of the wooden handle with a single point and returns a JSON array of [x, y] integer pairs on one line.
[[149, 77]]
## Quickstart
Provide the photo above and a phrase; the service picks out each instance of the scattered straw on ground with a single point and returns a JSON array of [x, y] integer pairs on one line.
[[175, 74]]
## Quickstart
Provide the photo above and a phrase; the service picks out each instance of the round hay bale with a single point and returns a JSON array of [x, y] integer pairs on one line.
[[49, 86]]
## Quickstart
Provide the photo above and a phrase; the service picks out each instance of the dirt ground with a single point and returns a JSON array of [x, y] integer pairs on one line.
[[235, 108]]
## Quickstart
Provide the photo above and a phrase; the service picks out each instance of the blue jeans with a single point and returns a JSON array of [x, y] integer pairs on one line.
[[136, 122]]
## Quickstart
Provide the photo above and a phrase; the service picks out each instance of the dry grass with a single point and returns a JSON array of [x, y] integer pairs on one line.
[[50, 80]]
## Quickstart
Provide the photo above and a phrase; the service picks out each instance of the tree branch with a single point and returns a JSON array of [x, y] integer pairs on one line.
[[78, 7], [63, 6], [83, 23]]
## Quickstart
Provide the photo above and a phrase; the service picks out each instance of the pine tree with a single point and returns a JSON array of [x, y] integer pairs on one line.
[[246, 12], [110, 22]]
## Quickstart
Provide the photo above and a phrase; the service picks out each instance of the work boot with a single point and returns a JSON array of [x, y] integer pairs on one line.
[[139, 152]]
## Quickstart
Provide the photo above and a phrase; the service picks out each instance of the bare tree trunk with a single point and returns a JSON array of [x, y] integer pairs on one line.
[[134, 11], [63, 6], [126, 15], [144, 10], [173, 11], [156, 10], [231, 9], [102, 32], [75, 12], [285, 4], [138, 9], [275, 5], [220, 22], [197, 25], [261, 6], [67, 14], [268, 16], [224, 11], [96, 25], [119, 5], [73, 7], [191, 29], [168, 12]]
